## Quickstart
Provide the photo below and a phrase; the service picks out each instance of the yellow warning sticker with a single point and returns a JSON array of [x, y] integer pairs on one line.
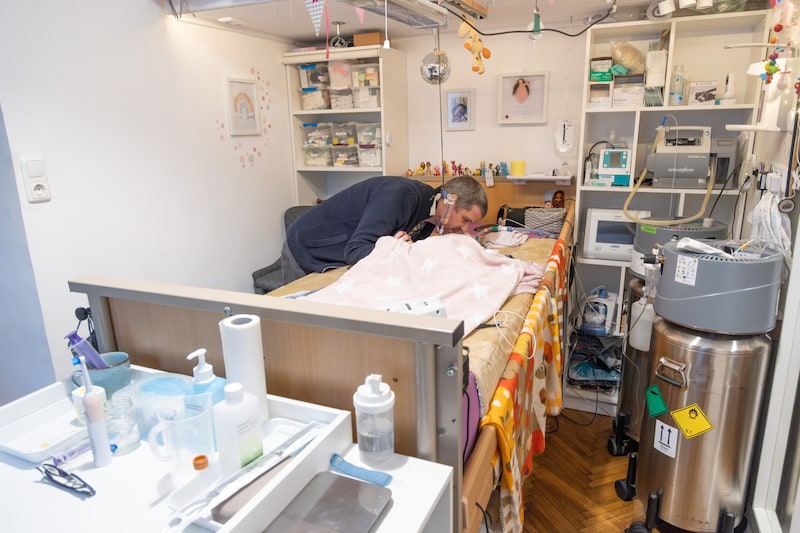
[[692, 420]]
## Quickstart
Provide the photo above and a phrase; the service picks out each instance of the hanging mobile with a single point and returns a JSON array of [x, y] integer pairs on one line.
[[337, 41]]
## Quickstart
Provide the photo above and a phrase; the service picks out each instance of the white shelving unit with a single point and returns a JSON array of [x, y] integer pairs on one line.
[[391, 113], [699, 44]]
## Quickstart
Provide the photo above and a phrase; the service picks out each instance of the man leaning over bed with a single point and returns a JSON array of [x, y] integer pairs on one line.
[[343, 229]]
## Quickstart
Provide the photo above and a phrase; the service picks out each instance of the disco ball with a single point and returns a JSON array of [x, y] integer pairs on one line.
[[435, 68]]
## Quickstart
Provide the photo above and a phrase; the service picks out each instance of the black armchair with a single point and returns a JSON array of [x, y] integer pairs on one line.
[[270, 277]]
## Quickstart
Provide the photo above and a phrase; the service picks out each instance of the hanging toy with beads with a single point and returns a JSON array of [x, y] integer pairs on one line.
[[782, 17]]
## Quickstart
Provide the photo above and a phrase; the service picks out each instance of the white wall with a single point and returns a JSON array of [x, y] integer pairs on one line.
[[562, 57], [127, 108]]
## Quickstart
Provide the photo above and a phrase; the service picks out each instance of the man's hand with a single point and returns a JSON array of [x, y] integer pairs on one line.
[[403, 236]]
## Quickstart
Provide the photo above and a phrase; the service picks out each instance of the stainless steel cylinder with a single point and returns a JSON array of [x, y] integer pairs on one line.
[[635, 372], [700, 375]]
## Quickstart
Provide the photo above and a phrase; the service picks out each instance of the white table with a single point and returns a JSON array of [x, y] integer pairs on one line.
[[133, 491], [422, 494]]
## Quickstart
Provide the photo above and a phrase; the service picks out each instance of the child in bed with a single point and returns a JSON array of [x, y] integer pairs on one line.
[[343, 229]]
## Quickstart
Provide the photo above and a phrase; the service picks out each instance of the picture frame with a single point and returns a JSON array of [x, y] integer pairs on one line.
[[459, 106], [242, 97], [522, 98]]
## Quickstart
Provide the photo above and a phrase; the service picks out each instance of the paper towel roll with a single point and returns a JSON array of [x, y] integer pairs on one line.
[[243, 353], [518, 168]]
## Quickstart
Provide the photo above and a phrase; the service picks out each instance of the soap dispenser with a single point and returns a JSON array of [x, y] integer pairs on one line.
[[204, 378]]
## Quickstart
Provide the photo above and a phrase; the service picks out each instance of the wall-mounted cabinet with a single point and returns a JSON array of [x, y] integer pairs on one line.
[[349, 117], [702, 46]]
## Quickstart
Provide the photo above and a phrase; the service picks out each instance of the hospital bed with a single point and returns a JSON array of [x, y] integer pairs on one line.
[[320, 353]]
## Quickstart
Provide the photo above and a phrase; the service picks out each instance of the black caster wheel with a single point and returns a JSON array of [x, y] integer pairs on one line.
[[637, 527]]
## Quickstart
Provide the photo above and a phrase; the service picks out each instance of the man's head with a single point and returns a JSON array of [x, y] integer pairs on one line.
[[470, 205]]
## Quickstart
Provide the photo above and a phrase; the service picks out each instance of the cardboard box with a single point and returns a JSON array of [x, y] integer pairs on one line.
[[702, 93], [366, 39]]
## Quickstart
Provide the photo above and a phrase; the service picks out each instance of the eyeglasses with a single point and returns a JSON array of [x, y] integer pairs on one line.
[[66, 480]]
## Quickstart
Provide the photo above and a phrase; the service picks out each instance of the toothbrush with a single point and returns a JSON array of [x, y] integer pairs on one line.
[[95, 422]]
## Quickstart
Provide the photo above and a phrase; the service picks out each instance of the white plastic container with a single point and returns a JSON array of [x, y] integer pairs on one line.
[[374, 405], [237, 429], [204, 378], [641, 317]]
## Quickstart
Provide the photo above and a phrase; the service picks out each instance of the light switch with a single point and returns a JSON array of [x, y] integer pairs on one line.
[[34, 168], [34, 177]]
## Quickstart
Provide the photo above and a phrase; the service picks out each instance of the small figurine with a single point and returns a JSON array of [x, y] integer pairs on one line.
[[409, 173], [437, 171], [428, 168], [421, 169]]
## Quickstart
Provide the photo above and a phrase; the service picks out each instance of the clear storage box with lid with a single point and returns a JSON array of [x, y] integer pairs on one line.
[[345, 155], [366, 96], [317, 156], [313, 75], [369, 133], [312, 98], [365, 75], [317, 134], [341, 98], [369, 155], [340, 75], [344, 133]]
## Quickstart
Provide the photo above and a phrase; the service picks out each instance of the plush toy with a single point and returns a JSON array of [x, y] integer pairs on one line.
[[475, 45]]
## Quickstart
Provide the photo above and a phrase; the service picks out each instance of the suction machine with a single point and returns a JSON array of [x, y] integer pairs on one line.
[[715, 302]]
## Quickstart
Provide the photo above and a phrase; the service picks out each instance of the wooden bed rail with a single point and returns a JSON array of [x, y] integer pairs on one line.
[[313, 352]]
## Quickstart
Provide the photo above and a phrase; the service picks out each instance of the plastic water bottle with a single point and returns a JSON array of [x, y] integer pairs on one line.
[[374, 405], [677, 85]]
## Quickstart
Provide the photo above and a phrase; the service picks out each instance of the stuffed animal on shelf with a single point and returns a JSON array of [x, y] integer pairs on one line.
[[475, 45]]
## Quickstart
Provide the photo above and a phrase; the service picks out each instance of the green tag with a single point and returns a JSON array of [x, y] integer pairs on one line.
[[655, 403], [647, 229]]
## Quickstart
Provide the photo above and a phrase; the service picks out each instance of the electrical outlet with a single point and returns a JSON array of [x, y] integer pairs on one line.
[[34, 177]]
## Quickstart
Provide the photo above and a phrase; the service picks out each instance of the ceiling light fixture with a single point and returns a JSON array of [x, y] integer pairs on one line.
[[415, 13]]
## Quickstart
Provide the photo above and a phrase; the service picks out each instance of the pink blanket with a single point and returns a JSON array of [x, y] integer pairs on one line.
[[470, 281]]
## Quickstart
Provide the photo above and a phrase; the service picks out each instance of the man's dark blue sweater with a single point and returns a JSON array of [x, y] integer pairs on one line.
[[343, 229]]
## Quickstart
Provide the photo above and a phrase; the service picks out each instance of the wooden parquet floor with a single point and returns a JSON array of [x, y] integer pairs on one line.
[[571, 489]]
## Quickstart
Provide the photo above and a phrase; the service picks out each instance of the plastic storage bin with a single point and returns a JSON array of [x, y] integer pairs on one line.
[[341, 98], [313, 75], [317, 156], [369, 155], [365, 75], [345, 155], [315, 98], [369, 133], [318, 134], [340, 75], [366, 96], [344, 133]]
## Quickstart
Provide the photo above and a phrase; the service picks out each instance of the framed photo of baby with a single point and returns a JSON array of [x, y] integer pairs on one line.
[[459, 107], [523, 98]]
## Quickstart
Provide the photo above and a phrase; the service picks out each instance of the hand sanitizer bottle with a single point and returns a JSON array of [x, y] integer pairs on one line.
[[204, 378]]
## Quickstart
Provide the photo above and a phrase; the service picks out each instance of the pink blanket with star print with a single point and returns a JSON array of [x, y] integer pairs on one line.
[[469, 280]]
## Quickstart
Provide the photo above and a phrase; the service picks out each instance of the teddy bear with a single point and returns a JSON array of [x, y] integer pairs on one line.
[[475, 45]]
